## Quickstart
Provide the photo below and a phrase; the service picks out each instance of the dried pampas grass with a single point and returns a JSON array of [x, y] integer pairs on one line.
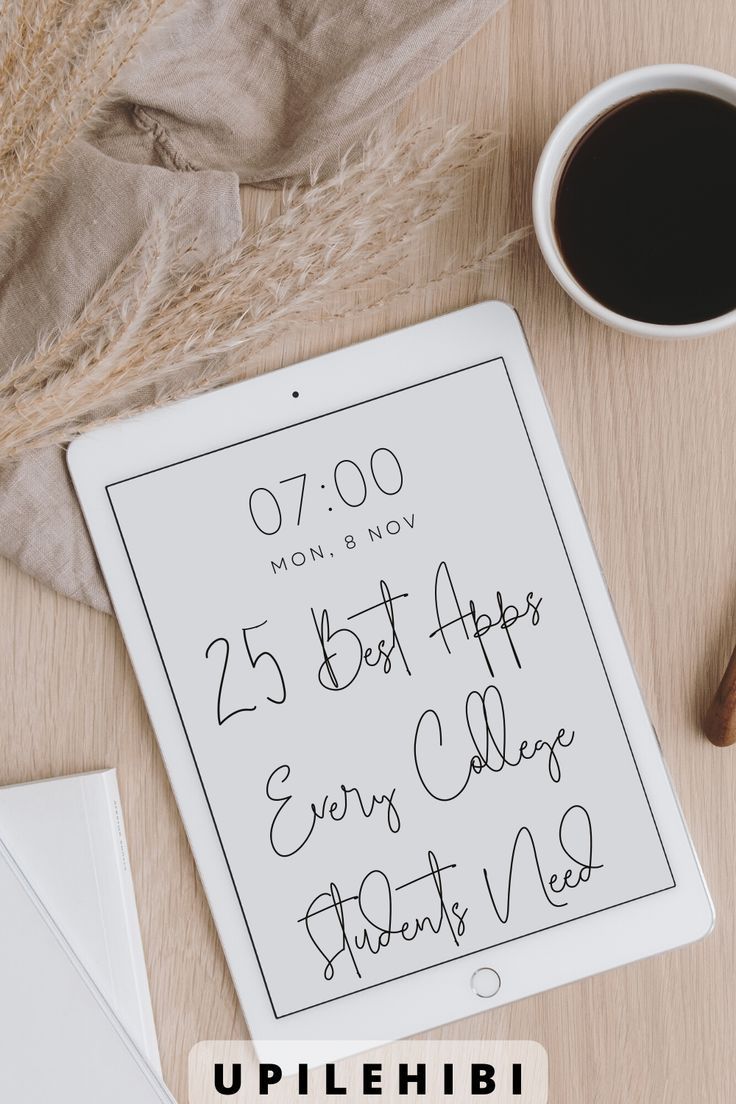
[[59, 60], [162, 327]]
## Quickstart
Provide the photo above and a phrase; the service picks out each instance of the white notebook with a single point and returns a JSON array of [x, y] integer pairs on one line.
[[67, 837], [59, 1038]]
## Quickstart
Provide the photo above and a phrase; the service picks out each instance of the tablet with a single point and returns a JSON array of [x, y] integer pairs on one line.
[[388, 684]]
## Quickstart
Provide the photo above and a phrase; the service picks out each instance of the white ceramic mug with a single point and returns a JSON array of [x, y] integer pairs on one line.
[[560, 145]]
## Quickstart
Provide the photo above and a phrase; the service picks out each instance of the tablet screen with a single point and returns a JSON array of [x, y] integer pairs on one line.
[[389, 684]]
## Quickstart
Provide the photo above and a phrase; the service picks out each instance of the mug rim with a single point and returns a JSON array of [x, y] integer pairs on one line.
[[561, 142]]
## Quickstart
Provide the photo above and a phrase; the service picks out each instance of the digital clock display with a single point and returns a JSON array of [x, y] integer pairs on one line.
[[347, 482]]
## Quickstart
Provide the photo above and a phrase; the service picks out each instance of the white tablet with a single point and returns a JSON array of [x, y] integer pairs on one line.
[[388, 684]]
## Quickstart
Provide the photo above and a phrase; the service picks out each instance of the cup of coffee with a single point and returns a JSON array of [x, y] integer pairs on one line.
[[635, 201]]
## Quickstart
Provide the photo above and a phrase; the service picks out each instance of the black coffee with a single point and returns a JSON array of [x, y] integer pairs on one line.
[[645, 213]]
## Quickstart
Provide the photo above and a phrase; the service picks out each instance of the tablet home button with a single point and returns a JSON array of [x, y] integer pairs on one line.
[[485, 982]]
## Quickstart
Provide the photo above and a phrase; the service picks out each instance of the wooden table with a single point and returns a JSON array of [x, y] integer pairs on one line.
[[649, 431]]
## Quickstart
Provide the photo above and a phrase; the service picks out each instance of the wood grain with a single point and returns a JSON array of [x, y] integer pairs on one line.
[[650, 436]]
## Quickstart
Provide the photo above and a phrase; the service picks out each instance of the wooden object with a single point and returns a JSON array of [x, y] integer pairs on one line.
[[720, 720], [649, 432]]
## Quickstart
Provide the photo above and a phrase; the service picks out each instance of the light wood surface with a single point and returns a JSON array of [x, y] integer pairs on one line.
[[649, 431]]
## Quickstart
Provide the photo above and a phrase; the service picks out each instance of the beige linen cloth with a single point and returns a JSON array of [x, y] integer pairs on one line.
[[227, 91]]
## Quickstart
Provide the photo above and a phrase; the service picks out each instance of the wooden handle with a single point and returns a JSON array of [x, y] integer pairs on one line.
[[720, 721]]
